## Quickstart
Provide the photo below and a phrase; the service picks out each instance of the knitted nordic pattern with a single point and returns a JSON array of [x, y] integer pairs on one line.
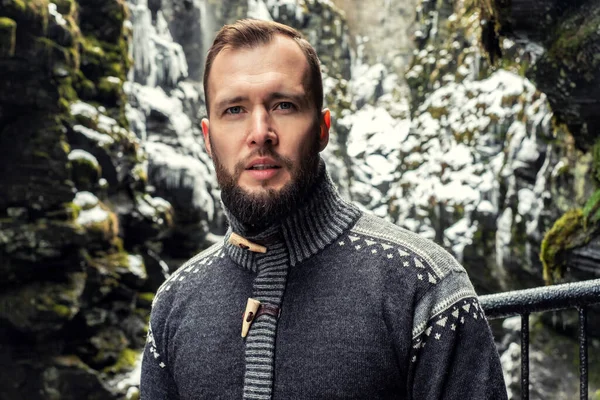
[[431, 263], [309, 230]]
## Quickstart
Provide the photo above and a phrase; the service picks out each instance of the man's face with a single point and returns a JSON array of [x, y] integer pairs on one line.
[[263, 132]]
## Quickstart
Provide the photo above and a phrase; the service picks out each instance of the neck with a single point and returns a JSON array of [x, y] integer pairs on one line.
[[316, 222]]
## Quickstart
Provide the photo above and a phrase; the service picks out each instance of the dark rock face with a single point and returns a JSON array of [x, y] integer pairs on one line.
[[563, 50], [566, 45], [72, 186], [89, 139]]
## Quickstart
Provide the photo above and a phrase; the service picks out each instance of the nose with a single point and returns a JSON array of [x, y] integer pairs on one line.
[[261, 129]]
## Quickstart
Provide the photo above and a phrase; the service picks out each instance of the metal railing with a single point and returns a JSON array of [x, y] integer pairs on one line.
[[578, 295]]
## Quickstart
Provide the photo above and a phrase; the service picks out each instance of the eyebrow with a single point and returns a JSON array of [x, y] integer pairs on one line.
[[298, 98], [231, 100]]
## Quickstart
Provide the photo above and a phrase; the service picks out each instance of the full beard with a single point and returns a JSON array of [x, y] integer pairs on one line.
[[261, 209]]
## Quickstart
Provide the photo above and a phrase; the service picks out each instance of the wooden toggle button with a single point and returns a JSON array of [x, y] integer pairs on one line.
[[245, 244], [249, 315]]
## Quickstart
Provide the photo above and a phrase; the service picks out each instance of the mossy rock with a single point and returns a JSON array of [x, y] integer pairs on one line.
[[39, 241], [85, 169], [13, 7], [101, 223], [591, 211], [596, 162], [30, 15], [144, 300], [86, 90], [110, 91], [41, 307], [103, 19], [65, 7], [575, 36], [8, 35], [121, 265], [126, 362], [67, 212], [68, 378], [567, 233], [104, 348], [102, 59]]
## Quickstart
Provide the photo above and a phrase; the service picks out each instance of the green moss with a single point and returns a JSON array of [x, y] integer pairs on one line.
[[437, 112], [84, 87], [62, 310], [596, 162], [567, 232], [109, 91], [8, 35], [38, 10], [101, 62], [68, 212], [113, 262], [126, 362], [591, 211], [145, 299], [65, 146], [14, 7], [573, 36], [41, 154]]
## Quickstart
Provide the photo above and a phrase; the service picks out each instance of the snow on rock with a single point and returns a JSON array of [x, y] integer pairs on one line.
[[453, 155], [135, 265], [257, 9], [85, 109], [85, 200], [173, 171], [102, 139], [93, 215], [53, 10], [373, 147], [459, 235], [78, 154], [158, 60]]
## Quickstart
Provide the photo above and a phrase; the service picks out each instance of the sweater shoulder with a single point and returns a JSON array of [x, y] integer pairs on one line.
[[425, 251], [438, 280], [195, 264]]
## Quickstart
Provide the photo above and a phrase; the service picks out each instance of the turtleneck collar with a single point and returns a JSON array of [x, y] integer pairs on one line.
[[315, 224]]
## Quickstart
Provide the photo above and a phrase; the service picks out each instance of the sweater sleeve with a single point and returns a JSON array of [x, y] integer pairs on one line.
[[453, 355], [157, 382]]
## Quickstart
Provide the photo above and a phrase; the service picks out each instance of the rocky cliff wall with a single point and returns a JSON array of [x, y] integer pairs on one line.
[[105, 185], [77, 225]]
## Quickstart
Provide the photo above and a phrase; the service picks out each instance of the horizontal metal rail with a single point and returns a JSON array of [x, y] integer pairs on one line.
[[546, 298], [577, 295]]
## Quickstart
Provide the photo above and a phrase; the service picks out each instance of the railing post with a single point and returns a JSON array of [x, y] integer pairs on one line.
[[579, 295], [525, 356], [583, 350]]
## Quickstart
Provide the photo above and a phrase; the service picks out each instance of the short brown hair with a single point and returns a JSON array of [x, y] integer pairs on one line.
[[249, 33]]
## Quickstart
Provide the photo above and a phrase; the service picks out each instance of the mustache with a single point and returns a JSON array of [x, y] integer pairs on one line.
[[263, 152]]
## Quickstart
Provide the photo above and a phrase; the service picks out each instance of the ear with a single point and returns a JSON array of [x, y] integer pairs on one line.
[[324, 129], [205, 133]]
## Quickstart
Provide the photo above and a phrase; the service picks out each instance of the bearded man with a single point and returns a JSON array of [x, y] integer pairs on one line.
[[331, 303]]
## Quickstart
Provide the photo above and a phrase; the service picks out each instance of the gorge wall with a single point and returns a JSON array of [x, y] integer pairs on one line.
[[459, 120]]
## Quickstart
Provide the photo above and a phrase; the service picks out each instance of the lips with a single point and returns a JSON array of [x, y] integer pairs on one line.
[[260, 164], [262, 169]]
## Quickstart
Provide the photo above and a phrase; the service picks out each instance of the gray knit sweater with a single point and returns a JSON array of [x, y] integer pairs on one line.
[[368, 310]]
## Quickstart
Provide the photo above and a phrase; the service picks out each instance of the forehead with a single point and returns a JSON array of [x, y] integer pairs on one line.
[[277, 66]]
